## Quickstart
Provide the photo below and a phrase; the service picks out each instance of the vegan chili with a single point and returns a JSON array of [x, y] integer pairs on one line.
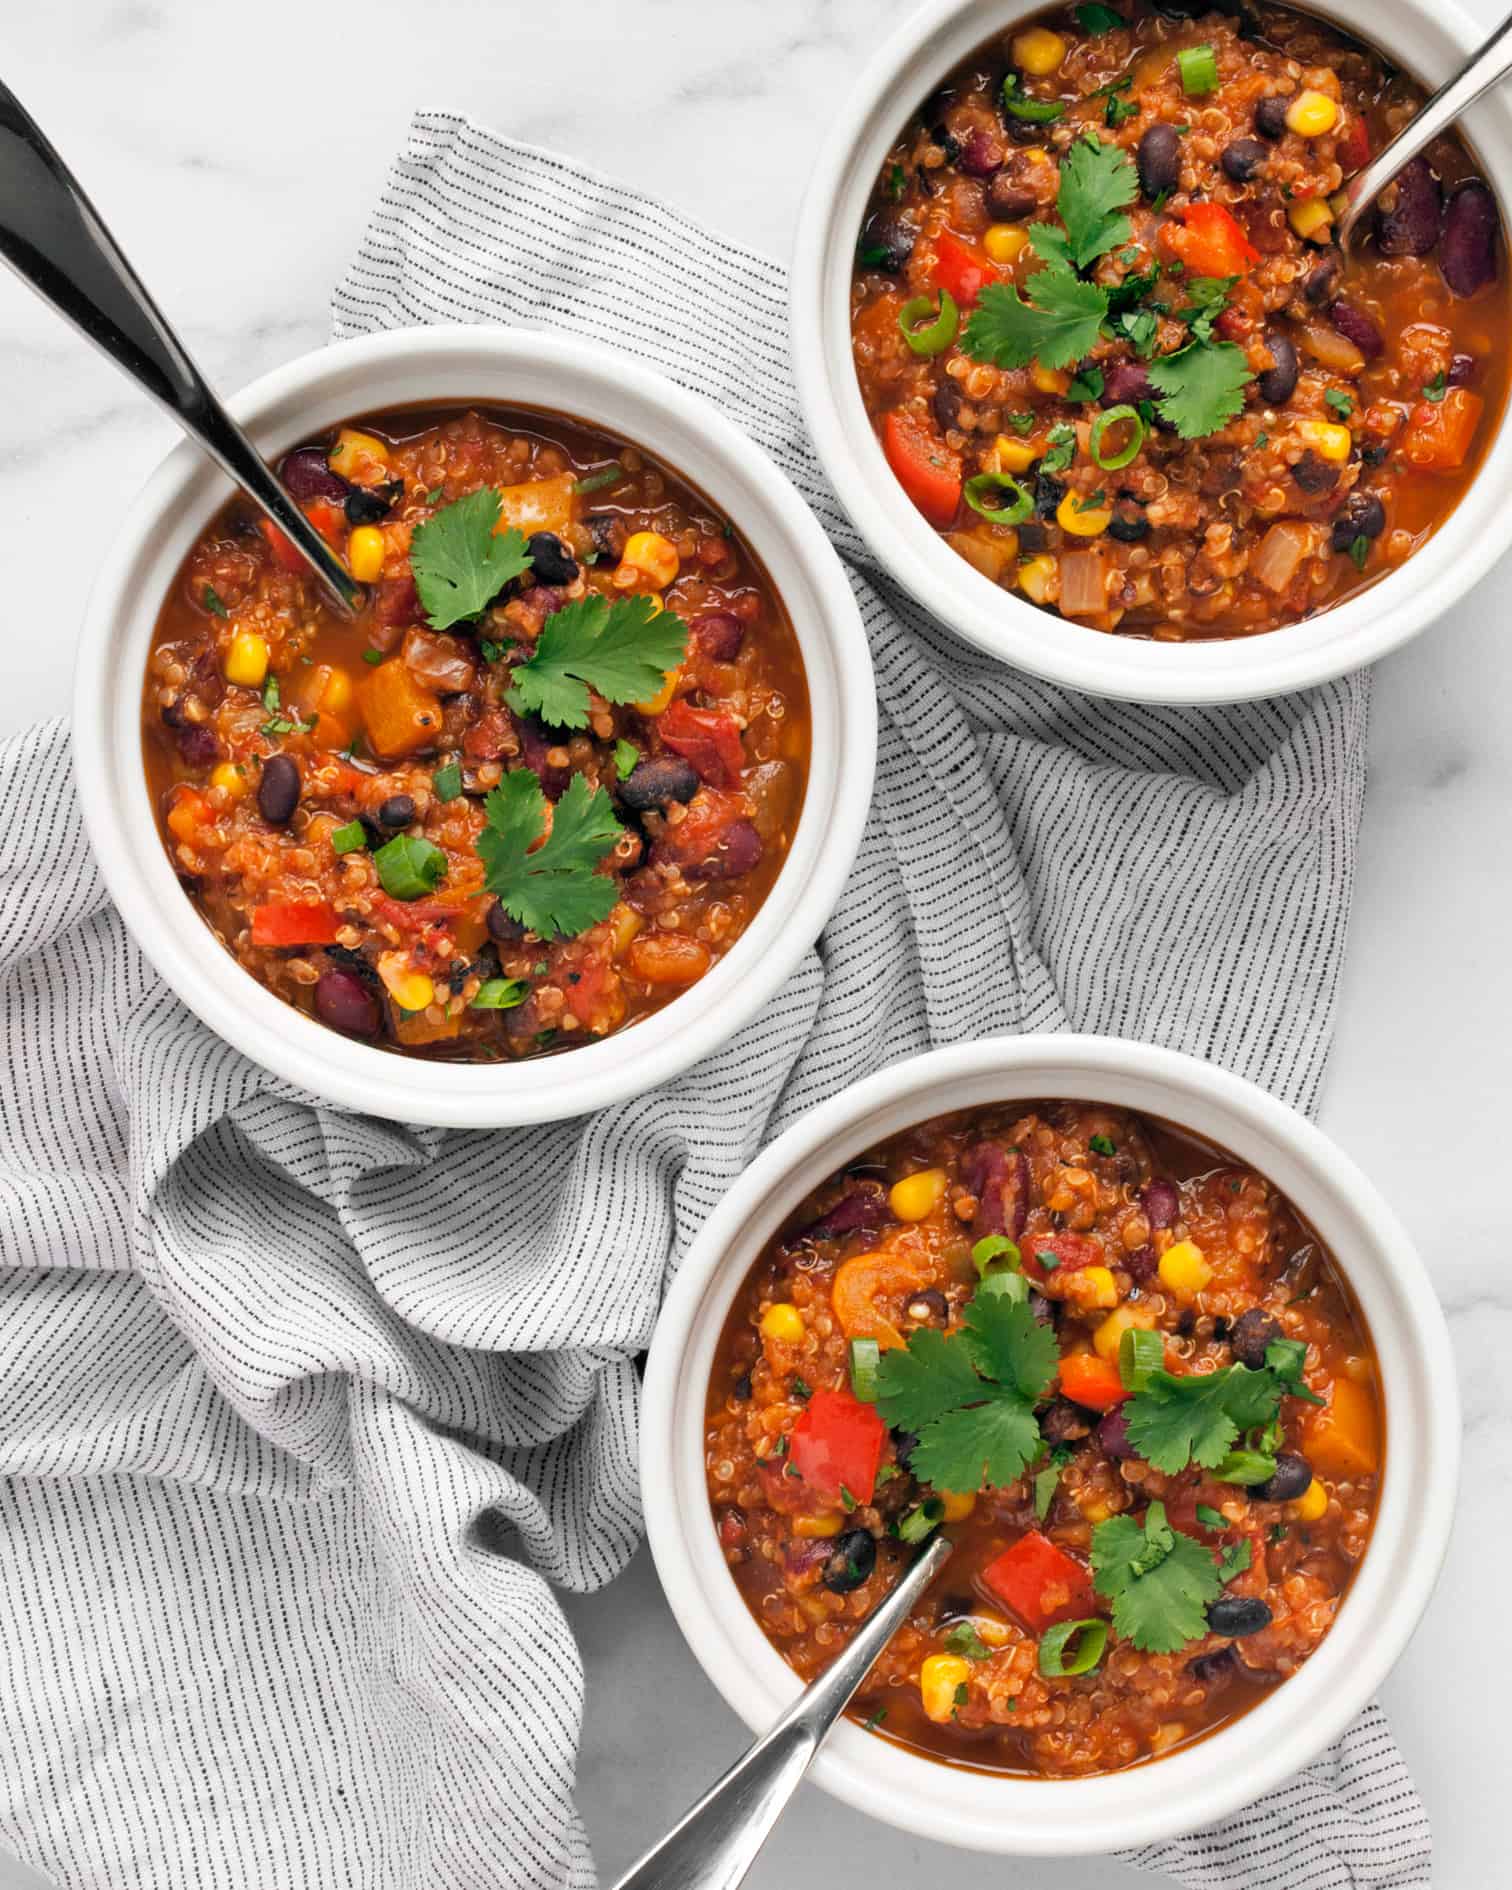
[[1112, 352], [536, 788], [1116, 1367]]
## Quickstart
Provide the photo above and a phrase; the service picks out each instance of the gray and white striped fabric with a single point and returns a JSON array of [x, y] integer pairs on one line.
[[301, 1413]]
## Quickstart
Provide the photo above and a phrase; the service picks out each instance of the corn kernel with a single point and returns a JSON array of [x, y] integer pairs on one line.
[[412, 991], [1310, 217], [226, 774], [1183, 1271], [1326, 438], [939, 1677], [1108, 1336], [1014, 456], [1038, 51], [1074, 515], [360, 457], [1005, 242], [829, 1524], [1095, 1287], [1310, 114], [993, 1630], [336, 696], [957, 1504], [247, 659], [1035, 576], [1049, 380], [365, 554], [653, 705], [624, 923], [654, 556], [782, 1322], [1311, 1505], [915, 1197]]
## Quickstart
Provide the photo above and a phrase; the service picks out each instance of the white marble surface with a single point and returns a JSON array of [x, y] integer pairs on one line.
[[270, 127]]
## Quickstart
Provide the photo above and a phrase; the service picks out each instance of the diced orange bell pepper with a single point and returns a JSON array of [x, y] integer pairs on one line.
[[1209, 241], [1041, 1583], [1343, 1438], [400, 717], [867, 1277], [282, 923], [187, 814], [1091, 1381], [961, 269], [1440, 434], [925, 467]]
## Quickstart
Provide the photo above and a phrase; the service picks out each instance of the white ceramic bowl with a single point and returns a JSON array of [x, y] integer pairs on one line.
[[503, 366], [1192, 1786], [1428, 38]]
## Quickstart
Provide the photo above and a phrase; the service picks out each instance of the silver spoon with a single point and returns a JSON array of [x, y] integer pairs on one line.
[[1479, 73], [53, 238], [714, 1845]]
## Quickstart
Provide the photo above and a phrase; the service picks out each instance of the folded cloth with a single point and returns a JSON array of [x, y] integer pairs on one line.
[[301, 1412]]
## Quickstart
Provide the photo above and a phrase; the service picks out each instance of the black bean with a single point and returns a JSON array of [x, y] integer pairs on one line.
[[1362, 515], [905, 1443], [929, 1308], [1048, 493], [1210, 1670], [946, 139], [1242, 157], [198, 744], [1279, 382], [741, 1389], [550, 560], [1008, 202], [503, 927], [1463, 370], [1315, 474], [1236, 1615], [347, 1002], [1046, 1311], [887, 241], [610, 535], [1159, 160], [852, 1559], [397, 811], [1270, 117], [1128, 523], [278, 791], [1292, 1476], [1467, 254], [1125, 382], [1113, 1437], [655, 782], [1253, 1331], [1355, 325], [947, 402], [1065, 1423], [306, 475], [1409, 210], [1322, 281], [1141, 1265], [1032, 536]]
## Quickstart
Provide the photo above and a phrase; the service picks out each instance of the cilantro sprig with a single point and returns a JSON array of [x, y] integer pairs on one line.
[[552, 887], [1202, 386], [1159, 1580], [622, 649], [460, 562], [969, 1396], [1196, 1418]]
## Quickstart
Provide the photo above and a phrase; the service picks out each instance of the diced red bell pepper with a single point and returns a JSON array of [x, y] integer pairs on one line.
[[961, 269], [838, 1441], [282, 924], [925, 467], [282, 548], [1209, 241], [1069, 1250], [1353, 147], [328, 520], [1041, 1583], [1091, 1381], [708, 738]]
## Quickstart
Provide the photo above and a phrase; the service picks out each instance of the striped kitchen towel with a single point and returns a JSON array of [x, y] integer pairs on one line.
[[302, 1414]]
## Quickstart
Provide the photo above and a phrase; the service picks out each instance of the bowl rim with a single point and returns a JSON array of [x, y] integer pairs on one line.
[[1217, 1775], [1427, 37], [586, 381]]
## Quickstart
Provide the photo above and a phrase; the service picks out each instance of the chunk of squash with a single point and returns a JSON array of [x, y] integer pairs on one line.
[[1343, 1439], [537, 505], [400, 717]]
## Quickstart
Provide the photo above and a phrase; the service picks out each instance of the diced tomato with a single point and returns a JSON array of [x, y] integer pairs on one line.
[[1089, 1380], [925, 467], [1209, 241], [1070, 1251], [1353, 147], [961, 269], [284, 554], [709, 738], [283, 924], [327, 519], [1041, 1583], [838, 1441], [1440, 434], [412, 915]]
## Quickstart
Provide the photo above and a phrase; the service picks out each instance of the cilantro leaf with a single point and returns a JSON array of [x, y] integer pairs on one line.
[[988, 1443], [622, 650], [1010, 1345], [1209, 295], [1203, 386], [460, 563], [1159, 1581], [1174, 1420], [964, 1639], [1096, 181], [1234, 1560], [553, 889], [1057, 327], [918, 1384]]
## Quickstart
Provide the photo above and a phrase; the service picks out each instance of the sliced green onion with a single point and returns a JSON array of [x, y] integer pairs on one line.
[[1139, 1353], [213, 602], [923, 1521], [1098, 19], [1033, 111], [929, 337], [1090, 1636], [447, 781], [349, 838], [978, 489], [865, 1358], [1198, 66], [626, 755], [1209, 1517], [1245, 1466], [409, 867], [600, 481], [501, 994], [1010, 1286], [995, 1254], [1136, 439], [1102, 1145], [375, 657]]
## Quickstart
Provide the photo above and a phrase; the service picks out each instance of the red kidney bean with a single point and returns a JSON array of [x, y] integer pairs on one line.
[[347, 1002], [1113, 1437], [1463, 370], [1000, 1182], [1141, 1264], [1008, 202], [1125, 382], [198, 744], [738, 852], [1467, 250], [719, 634], [1407, 218], [1161, 1201], [307, 476], [863, 1211], [981, 155], [503, 927], [1355, 325]]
